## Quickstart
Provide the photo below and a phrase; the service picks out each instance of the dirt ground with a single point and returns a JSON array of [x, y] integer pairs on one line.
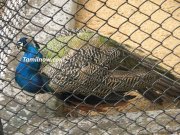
[[140, 24]]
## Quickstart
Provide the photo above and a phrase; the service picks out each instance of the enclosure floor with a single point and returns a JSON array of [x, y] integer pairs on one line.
[[135, 105]]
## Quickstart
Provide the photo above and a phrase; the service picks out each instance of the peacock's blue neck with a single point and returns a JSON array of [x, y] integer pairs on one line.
[[30, 61], [27, 72]]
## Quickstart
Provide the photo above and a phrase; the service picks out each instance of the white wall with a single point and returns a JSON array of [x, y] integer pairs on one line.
[[9, 23], [41, 19], [48, 17]]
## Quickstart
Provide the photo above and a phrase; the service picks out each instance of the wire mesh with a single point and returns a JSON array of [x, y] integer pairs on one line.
[[149, 32]]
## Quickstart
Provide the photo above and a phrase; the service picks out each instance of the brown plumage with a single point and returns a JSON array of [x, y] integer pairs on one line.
[[105, 69]]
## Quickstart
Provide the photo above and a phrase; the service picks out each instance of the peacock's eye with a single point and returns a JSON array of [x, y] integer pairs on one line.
[[20, 44]]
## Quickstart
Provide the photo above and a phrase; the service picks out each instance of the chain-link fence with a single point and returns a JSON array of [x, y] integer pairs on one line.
[[117, 68]]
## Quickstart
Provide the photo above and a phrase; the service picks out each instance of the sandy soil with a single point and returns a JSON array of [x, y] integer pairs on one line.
[[154, 30], [140, 24]]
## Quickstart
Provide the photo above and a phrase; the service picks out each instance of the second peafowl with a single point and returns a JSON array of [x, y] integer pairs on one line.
[[91, 68]]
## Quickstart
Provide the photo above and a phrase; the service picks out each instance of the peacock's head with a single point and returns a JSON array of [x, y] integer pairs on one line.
[[23, 43]]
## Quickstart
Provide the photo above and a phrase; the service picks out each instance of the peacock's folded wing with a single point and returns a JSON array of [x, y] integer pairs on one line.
[[86, 59]]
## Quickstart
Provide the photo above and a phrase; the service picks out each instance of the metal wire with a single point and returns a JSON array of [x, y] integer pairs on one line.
[[146, 27]]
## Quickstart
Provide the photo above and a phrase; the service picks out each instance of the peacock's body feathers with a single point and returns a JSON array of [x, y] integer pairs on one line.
[[91, 64]]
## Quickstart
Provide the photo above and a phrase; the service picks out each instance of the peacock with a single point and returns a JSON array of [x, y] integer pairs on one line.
[[87, 67]]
